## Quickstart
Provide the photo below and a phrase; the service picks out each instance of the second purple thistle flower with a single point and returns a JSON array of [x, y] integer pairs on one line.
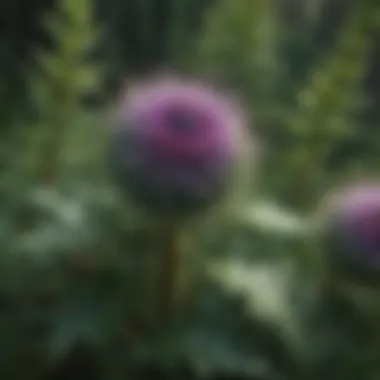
[[353, 228], [175, 146]]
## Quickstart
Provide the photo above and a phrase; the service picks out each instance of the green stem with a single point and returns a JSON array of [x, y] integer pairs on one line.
[[168, 276]]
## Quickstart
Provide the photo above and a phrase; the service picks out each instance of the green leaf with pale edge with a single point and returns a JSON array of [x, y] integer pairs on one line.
[[271, 218]]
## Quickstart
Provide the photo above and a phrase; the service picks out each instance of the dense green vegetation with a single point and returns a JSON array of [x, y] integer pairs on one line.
[[76, 260]]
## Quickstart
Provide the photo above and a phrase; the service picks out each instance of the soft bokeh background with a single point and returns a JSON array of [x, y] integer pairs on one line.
[[74, 257]]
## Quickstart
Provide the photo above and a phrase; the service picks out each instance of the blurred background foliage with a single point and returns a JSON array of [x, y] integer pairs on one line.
[[75, 259]]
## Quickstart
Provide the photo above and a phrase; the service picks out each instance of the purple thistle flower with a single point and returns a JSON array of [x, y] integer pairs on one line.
[[352, 228], [175, 146]]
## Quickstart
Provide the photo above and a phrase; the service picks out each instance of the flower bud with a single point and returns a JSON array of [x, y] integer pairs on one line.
[[175, 146], [351, 230]]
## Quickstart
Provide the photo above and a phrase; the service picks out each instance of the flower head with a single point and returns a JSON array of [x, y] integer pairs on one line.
[[175, 145], [352, 229]]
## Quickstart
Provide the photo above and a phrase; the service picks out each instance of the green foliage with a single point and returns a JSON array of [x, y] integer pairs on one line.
[[246, 41], [67, 79], [325, 115], [240, 46], [79, 267]]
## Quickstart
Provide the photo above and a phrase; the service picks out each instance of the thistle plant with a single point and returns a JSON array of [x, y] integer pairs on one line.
[[351, 231], [175, 146], [340, 311], [175, 151]]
